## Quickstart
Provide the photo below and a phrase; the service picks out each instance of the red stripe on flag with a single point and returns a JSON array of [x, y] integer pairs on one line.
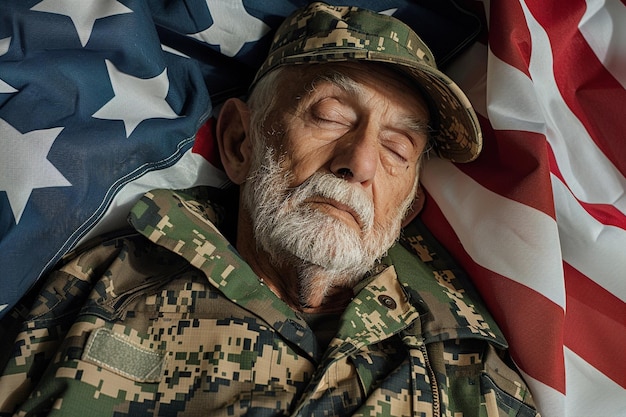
[[514, 164], [532, 324], [509, 37], [590, 91], [206, 145], [606, 214], [593, 311]]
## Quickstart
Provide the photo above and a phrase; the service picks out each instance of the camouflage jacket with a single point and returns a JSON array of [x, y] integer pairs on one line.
[[169, 320]]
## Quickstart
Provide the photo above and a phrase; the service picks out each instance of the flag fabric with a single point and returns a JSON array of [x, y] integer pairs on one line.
[[90, 103], [539, 220], [102, 100]]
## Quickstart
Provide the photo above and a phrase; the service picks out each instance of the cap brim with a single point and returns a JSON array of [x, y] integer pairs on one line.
[[458, 134]]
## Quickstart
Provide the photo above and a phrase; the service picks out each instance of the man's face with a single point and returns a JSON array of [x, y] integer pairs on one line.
[[340, 167]]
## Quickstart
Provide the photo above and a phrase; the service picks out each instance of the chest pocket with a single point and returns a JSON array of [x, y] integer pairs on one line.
[[185, 347], [504, 393]]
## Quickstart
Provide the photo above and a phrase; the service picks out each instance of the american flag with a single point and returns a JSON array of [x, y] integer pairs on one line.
[[102, 100], [539, 221]]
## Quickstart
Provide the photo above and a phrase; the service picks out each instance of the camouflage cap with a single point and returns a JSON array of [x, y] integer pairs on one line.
[[320, 33]]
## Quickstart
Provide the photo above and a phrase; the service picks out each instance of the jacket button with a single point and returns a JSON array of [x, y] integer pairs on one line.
[[387, 301]]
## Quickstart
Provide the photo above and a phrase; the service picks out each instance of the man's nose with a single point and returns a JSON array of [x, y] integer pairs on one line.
[[355, 157]]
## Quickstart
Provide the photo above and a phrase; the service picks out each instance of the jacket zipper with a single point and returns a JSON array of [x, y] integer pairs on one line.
[[433, 383]]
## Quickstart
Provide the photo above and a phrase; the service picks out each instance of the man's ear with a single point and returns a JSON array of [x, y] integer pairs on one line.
[[233, 139]]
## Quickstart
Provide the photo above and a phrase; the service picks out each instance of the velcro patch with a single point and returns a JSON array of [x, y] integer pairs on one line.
[[119, 354]]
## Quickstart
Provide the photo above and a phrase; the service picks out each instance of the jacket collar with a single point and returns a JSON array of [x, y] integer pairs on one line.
[[434, 288], [441, 290]]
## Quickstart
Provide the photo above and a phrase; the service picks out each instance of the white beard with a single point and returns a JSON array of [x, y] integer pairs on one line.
[[327, 252]]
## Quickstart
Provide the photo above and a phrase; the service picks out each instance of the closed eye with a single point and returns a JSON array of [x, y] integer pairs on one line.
[[399, 146], [330, 113]]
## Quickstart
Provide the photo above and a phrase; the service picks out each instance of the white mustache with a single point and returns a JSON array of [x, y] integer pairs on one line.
[[330, 187]]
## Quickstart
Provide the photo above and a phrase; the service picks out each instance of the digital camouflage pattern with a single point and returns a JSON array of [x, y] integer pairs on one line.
[[320, 33], [170, 321]]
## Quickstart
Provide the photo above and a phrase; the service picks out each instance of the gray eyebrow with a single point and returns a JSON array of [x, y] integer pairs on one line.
[[339, 79], [417, 125]]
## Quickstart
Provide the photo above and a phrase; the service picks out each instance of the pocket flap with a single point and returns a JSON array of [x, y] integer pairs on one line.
[[121, 355]]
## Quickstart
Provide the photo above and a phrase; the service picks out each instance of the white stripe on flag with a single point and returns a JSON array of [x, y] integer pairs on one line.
[[512, 104], [549, 401], [587, 244], [502, 235], [589, 392], [603, 28]]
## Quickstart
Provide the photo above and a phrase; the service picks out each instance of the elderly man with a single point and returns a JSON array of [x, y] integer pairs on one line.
[[297, 300]]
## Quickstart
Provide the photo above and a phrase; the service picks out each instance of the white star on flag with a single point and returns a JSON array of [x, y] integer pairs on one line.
[[389, 12], [4, 45], [171, 50], [4, 48], [83, 13], [6, 88], [136, 99], [232, 26], [24, 165]]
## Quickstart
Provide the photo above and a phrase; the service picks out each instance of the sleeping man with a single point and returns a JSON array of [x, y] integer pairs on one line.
[[308, 288]]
